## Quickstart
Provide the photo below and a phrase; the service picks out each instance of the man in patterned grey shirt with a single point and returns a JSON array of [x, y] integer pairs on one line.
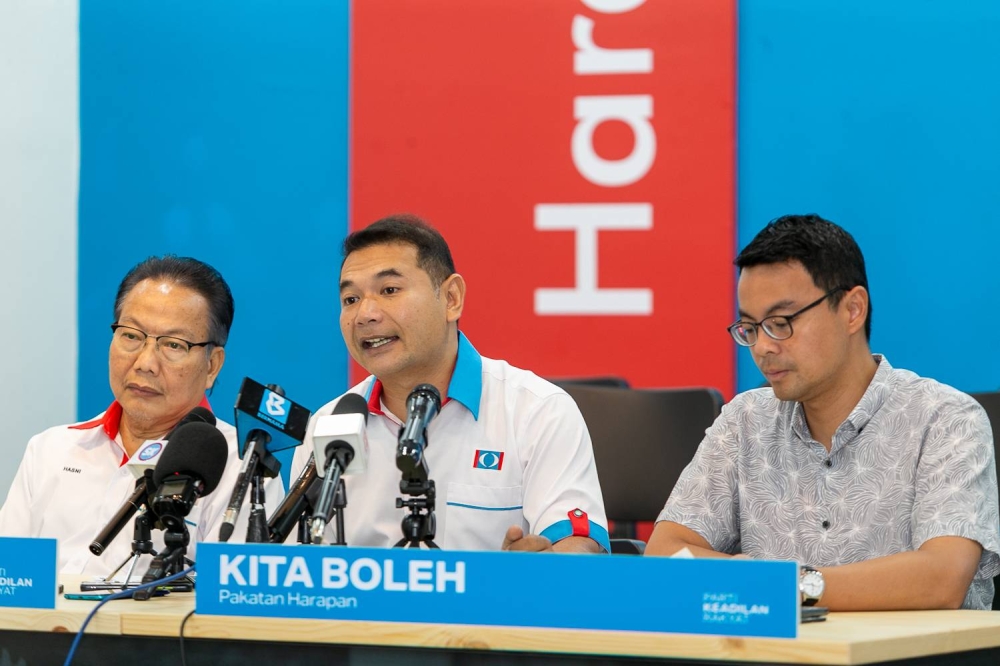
[[883, 480]]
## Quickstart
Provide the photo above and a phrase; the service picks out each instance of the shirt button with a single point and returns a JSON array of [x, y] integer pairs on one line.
[[826, 524], [828, 462]]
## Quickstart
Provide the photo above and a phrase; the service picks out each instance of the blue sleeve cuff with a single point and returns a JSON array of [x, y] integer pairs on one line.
[[562, 529]]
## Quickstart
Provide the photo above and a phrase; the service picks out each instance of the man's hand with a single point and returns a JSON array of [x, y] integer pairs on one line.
[[516, 539]]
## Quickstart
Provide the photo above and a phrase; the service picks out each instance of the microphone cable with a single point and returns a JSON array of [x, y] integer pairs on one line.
[[124, 594]]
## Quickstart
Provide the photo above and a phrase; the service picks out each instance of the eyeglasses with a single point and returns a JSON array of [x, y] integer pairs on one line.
[[777, 327], [131, 340]]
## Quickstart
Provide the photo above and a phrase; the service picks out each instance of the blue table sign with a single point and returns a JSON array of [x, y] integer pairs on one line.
[[27, 572], [695, 596]]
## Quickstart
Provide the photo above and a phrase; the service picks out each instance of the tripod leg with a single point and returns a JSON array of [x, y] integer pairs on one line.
[[132, 557], [135, 561]]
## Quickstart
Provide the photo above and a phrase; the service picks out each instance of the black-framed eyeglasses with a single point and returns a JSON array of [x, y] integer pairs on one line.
[[777, 327], [130, 340]]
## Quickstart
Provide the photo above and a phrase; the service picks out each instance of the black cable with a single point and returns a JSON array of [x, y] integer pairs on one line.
[[184, 622]]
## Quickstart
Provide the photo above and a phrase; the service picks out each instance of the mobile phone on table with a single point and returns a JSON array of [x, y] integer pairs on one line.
[[86, 596], [97, 586], [97, 596]]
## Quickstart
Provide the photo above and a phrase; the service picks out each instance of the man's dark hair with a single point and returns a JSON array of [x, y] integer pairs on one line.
[[193, 274], [830, 254], [433, 255]]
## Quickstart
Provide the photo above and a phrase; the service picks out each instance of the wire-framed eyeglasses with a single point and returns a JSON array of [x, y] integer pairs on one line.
[[131, 340]]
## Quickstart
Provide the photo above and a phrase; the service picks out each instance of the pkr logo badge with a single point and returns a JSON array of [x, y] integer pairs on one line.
[[273, 407], [488, 460]]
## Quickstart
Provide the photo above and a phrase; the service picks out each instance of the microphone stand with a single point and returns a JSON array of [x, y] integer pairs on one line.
[[258, 463], [171, 560], [257, 526], [339, 504], [142, 544], [265, 466], [420, 526]]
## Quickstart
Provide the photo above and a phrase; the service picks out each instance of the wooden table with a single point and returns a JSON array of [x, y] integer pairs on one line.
[[148, 631]]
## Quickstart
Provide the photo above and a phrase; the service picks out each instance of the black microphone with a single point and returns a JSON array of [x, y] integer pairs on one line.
[[422, 405], [300, 499], [255, 446], [197, 415], [341, 441], [144, 486], [191, 467], [143, 490]]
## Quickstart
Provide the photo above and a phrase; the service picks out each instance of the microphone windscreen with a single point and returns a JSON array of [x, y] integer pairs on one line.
[[352, 403], [199, 414], [196, 449]]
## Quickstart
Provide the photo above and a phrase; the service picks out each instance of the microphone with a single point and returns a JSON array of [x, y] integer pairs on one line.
[[340, 441], [141, 465], [143, 489], [300, 499], [149, 453], [274, 423], [422, 405], [191, 467]]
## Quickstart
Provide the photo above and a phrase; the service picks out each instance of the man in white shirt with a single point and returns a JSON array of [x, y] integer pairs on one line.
[[509, 452], [172, 317]]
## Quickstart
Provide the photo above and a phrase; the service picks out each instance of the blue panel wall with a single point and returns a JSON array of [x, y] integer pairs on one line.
[[885, 118], [219, 130]]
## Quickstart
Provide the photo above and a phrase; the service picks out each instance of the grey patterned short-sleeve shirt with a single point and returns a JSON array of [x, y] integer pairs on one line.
[[913, 461]]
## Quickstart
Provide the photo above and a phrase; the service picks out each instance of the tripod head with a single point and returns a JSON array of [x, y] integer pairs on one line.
[[420, 525]]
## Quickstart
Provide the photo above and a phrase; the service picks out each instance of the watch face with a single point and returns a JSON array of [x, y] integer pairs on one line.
[[812, 584]]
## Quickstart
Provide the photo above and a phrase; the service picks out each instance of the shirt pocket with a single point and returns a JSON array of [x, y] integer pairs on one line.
[[477, 517]]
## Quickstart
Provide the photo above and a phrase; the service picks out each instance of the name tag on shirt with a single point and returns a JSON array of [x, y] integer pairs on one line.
[[699, 596], [27, 572]]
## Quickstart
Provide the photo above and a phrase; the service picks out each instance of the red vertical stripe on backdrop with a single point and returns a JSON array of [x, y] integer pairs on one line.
[[463, 113]]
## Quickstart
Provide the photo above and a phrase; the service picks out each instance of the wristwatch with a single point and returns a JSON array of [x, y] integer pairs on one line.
[[811, 585]]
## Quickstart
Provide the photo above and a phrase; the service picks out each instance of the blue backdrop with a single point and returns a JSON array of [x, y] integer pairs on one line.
[[883, 117], [220, 130]]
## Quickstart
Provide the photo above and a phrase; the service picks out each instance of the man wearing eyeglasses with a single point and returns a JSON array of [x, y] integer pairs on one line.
[[882, 484], [172, 318]]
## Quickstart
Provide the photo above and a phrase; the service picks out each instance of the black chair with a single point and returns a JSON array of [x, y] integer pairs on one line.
[[609, 381], [991, 403], [643, 439]]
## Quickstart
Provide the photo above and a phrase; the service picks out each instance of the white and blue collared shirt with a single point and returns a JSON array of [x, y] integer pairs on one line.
[[507, 448]]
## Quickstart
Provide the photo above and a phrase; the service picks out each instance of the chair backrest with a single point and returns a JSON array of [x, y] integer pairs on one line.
[[991, 403], [605, 380], [643, 439]]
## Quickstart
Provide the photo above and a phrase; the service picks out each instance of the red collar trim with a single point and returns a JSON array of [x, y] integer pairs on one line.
[[112, 419], [375, 399]]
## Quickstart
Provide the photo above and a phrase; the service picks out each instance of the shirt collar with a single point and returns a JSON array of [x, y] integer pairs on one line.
[[466, 385], [875, 395], [872, 400], [111, 419]]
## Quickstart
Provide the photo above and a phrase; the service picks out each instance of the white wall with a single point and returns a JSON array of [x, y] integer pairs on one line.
[[39, 167]]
